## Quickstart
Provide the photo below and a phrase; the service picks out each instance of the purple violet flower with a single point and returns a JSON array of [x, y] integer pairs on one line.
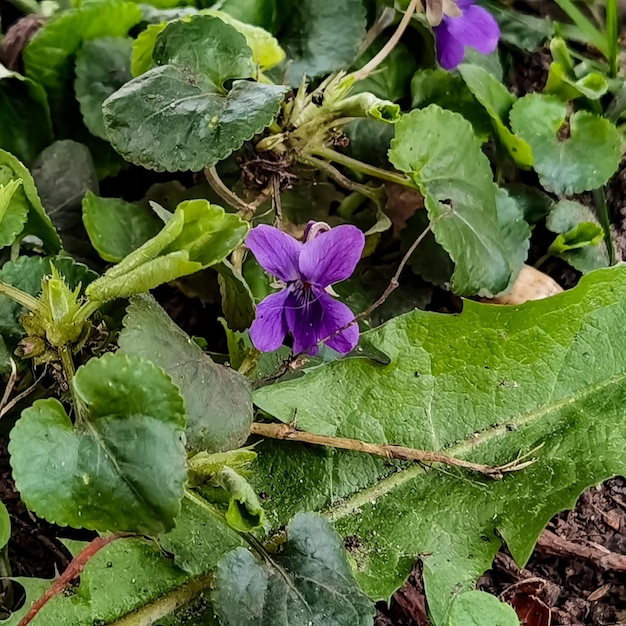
[[474, 27], [304, 307]]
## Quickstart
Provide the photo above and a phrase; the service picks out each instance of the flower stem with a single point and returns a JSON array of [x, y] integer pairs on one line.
[[226, 194], [599, 200], [368, 68], [369, 170], [389, 451], [19, 296]]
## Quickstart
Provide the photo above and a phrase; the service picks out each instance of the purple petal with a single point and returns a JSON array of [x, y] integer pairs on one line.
[[304, 317], [276, 251], [270, 325], [336, 316], [476, 28], [331, 256], [450, 51]]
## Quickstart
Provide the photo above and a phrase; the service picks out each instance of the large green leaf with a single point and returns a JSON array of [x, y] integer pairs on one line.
[[321, 36], [25, 200], [497, 100], [483, 385], [309, 582], [218, 400], [25, 125], [121, 466], [197, 236], [102, 67], [116, 227], [49, 57], [184, 102], [570, 156], [441, 154]]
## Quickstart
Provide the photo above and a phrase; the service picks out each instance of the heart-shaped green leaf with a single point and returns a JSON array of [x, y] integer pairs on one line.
[[441, 154], [570, 157], [184, 101], [121, 466], [310, 582]]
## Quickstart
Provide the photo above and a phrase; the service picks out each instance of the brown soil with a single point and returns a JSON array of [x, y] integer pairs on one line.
[[576, 576]]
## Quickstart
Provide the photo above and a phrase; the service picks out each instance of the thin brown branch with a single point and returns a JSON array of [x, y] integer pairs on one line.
[[226, 194], [389, 451], [72, 572], [603, 559], [8, 390]]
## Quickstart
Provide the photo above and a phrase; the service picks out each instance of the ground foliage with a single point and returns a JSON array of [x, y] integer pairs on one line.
[[141, 143]]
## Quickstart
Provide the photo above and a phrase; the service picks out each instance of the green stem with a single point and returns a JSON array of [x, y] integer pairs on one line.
[[87, 310], [19, 296], [359, 166], [605, 221], [612, 36], [167, 604]]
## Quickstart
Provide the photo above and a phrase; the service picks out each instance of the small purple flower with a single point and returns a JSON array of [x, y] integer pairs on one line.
[[303, 307], [474, 27]]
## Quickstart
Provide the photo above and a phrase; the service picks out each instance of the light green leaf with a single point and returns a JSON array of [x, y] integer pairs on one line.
[[468, 385], [25, 125], [12, 218], [569, 156], [102, 67], [580, 239], [115, 227], [157, 103], [25, 201], [218, 400], [120, 578], [198, 236], [143, 47], [199, 540], [497, 100], [245, 513], [477, 608], [441, 154], [592, 85], [121, 466], [5, 526], [321, 36], [309, 582], [49, 57]]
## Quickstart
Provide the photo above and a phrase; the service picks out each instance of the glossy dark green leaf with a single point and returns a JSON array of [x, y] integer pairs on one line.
[[441, 154], [309, 582], [521, 30], [121, 466], [26, 198], [150, 121], [116, 227], [321, 36], [102, 67], [218, 400], [25, 125], [570, 156], [64, 172], [197, 236], [237, 299]]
